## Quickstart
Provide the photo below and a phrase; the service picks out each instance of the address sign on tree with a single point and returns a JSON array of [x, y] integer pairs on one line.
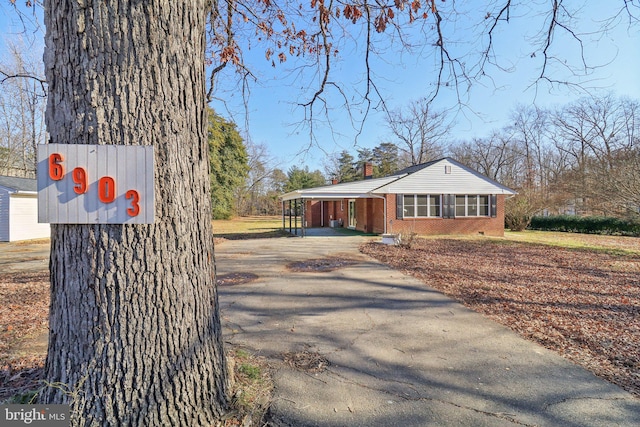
[[95, 184]]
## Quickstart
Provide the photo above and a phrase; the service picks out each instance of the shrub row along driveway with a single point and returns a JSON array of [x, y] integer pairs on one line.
[[583, 304], [366, 345]]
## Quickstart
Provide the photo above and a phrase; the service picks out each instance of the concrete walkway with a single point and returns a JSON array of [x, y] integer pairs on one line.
[[399, 353]]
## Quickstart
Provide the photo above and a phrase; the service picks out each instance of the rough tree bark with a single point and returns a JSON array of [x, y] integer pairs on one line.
[[135, 336]]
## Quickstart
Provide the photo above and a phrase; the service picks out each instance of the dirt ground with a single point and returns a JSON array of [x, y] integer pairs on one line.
[[583, 304]]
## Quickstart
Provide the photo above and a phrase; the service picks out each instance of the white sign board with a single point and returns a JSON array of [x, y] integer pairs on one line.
[[95, 184]]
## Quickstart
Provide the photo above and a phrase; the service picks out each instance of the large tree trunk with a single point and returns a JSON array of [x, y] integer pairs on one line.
[[135, 335]]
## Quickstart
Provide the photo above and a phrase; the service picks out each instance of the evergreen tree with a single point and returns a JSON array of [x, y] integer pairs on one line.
[[303, 178], [385, 159], [228, 164], [365, 155], [347, 171]]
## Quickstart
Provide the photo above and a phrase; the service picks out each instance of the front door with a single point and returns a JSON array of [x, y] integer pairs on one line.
[[352, 214]]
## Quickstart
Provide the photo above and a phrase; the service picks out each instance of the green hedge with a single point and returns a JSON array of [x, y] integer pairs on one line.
[[586, 224]]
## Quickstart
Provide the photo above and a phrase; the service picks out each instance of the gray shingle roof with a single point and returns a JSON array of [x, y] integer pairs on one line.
[[415, 168], [19, 184]]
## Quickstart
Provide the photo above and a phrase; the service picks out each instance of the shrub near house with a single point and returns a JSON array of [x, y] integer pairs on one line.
[[587, 225]]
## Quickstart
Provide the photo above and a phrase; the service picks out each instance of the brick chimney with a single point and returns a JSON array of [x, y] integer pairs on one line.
[[368, 170], [334, 181]]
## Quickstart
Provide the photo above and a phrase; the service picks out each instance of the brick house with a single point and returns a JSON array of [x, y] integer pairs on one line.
[[438, 197]]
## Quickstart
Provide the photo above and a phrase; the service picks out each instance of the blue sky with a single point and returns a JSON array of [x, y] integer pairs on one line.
[[276, 120]]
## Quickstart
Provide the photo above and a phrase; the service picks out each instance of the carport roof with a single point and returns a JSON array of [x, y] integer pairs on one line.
[[348, 190]]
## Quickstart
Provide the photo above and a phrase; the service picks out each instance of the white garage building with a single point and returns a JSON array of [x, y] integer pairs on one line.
[[19, 210]]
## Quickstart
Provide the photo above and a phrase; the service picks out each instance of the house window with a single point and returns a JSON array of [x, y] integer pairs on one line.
[[434, 206], [421, 205], [461, 205], [409, 206], [472, 205], [483, 205]]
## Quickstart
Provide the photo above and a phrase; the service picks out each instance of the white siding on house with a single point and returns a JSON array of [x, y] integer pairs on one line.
[[19, 217], [24, 219], [434, 180], [4, 215]]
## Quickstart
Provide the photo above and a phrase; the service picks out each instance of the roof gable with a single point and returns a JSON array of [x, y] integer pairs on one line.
[[444, 176]]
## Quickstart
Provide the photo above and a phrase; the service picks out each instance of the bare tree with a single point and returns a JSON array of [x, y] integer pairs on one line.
[[305, 40], [501, 157], [420, 130], [250, 198], [580, 158], [541, 165], [623, 182], [493, 156], [599, 134], [135, 335], [22, 106]]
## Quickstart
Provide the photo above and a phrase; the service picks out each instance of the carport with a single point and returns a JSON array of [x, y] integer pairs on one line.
[[295, 216], [329, 206]]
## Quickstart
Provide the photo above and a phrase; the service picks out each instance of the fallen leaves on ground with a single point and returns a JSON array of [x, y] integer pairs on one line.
[[322, 265], [306, 361], [24, 312], [231, 279], [582, 304]]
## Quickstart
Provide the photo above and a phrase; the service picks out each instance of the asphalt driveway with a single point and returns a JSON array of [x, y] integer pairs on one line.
[[392, 351]]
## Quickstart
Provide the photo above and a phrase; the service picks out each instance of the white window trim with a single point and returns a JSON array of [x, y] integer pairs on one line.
[[478, 205], [415, 206]]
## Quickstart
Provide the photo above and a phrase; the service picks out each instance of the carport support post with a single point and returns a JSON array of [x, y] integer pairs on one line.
[[302, 221]]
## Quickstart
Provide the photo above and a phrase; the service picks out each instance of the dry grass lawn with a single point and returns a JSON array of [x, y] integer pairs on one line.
[[252, 227]]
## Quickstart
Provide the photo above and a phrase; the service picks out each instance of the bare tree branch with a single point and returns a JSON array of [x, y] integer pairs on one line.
[[6, 76], [314, 34]]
